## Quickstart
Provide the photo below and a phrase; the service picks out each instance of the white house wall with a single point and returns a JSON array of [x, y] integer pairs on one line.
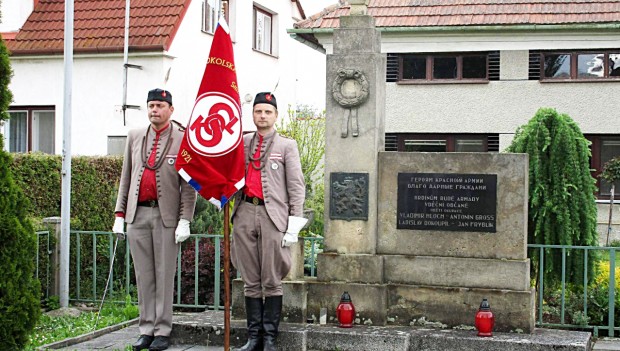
[[256, 71], [98, 79], [97, 95], [499, 106]]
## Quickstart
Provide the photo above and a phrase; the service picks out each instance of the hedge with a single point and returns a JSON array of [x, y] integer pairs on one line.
[[94, 187]]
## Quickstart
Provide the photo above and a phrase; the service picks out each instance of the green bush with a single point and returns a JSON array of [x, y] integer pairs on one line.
[[94, 187], [207, 218], [611, 170], [307, 127], [19, 290], [597, 300]]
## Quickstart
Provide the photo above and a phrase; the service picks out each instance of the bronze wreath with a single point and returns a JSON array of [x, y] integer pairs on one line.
[[361, 93]]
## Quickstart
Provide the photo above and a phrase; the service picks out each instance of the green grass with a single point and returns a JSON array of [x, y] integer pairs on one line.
[[52, 329]]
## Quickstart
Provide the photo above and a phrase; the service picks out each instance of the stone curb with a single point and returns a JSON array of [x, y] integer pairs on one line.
[[86, 337]]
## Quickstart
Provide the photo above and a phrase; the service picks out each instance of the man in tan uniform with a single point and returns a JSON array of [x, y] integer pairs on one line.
[[154, 200], [274, 193]]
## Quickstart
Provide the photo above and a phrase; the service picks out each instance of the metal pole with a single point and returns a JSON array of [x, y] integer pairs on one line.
[[65, 209], [125, 57], [226, 277], [611, 207]]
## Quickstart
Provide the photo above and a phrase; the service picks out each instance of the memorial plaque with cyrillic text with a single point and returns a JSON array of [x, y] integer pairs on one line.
[[447, 201]]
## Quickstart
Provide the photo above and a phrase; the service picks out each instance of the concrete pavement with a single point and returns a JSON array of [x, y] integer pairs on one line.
[[205, 332]]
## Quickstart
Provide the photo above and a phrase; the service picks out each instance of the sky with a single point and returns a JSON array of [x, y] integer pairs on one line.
[[314, 6]]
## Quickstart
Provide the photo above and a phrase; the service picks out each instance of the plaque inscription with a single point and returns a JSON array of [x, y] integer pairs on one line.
[[447, 201]]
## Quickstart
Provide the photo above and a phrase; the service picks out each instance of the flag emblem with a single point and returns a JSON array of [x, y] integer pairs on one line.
[[214, 126]]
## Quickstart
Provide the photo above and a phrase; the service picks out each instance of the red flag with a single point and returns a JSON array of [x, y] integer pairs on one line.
[[211, 155]]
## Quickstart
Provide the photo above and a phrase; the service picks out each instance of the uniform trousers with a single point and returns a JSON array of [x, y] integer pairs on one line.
[[257, 251], [154, 254]]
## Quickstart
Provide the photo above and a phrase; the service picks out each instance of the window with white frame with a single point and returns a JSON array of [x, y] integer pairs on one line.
[[210, 14], [263, 30], [30, 129]]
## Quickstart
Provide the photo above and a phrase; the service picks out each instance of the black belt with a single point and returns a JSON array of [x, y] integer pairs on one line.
[[150, 203], [253, 200]]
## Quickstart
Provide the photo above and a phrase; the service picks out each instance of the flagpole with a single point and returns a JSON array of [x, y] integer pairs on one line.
[[226, 277]]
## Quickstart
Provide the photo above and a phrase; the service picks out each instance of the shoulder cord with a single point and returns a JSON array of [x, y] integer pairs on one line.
[[159, 162], [262, 156]]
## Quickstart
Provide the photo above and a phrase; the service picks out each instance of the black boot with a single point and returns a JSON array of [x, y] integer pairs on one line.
[[143, 343], [254, 313], [271, 321]]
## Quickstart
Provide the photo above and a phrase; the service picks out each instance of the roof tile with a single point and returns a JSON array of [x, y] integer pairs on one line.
[[99, 24], [422, 13]]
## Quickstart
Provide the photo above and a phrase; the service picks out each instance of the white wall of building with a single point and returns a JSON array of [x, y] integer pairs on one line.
[[97, 95], [98, 79], [297, 70], [497, 106]]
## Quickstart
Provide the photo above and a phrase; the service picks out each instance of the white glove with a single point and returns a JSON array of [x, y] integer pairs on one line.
[[182, 232], [289, 239], [119, 228], [292, 231]]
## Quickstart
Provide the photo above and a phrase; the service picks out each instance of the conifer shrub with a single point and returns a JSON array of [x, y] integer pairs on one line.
[[562, 204], [19, 289]]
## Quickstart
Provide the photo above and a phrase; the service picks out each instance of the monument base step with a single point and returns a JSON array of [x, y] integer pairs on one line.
[[208, 329]]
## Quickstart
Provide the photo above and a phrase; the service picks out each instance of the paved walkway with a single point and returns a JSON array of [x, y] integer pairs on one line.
[[607, 344], [195, 330], [122, 339]]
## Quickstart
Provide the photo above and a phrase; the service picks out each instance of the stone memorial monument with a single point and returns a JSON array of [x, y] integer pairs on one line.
[[410, 236]]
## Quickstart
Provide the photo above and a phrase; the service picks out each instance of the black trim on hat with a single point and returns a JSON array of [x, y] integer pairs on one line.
[[266, 98], [159, 95]]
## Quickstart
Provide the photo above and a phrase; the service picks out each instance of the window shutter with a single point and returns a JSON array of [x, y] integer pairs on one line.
[[391, 142], [534, 71], [494, 65], [391, 71], [493, 143]]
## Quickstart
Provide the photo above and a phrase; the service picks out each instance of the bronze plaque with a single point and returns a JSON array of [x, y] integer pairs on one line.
[[348, 196], [447, 201]]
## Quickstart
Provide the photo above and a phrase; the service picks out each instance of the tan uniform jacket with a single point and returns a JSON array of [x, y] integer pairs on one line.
[[282, 179], [176, 197]]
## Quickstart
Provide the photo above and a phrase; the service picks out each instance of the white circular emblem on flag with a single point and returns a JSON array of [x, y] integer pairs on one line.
[[214, 127]]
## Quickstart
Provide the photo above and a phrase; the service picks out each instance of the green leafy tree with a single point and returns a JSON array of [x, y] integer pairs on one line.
[[6, 97], [307, 127], [562, 205], [611, 170], [19, 290]]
